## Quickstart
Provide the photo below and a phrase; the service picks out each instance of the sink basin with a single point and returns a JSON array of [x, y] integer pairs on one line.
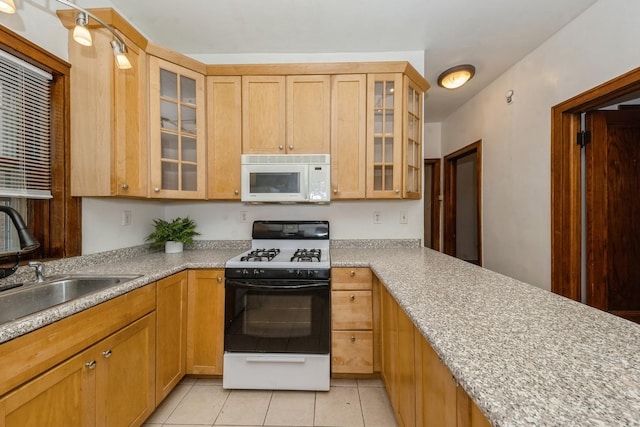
[[23, 301]]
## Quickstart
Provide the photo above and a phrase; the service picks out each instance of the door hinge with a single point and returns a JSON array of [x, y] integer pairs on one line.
[[584, 137]]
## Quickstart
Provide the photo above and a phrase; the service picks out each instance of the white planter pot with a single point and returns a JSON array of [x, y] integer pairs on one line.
[[173, 247]]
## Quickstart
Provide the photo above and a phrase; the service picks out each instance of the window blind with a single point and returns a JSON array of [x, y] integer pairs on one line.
[[25, 125]]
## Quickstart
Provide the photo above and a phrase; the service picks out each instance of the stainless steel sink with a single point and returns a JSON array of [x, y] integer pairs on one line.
[[26, 300]]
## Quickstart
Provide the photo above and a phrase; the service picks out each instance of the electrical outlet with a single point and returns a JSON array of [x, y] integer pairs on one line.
[[243, 216], [404, 217], [377, 217], [126, 217]]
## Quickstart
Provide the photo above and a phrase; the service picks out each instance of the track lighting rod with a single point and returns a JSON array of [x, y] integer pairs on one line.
[[100, 21]]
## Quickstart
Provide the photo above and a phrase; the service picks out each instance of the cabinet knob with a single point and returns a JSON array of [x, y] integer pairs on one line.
[[219, 279], [125, 186], [91, 364], [157, 190], [353, 338], [397, 191], [352, 297], [291, 147], [236, 192], [335, 191], [281, 147], [106, 354], [352, 273]]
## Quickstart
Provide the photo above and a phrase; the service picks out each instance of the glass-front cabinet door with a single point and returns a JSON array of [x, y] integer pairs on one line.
[[177, 131], [384, 134], [413, 157]]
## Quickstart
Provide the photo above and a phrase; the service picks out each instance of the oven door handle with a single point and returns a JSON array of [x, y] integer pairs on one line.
[[298, 286]]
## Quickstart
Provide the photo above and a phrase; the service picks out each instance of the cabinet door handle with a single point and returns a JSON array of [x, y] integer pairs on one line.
[[236, 192], [219, 279], [335, 191], [125, 186], [281, 147], [91, 364], [352, 297], [106, 354], [397, 191], [352, 273], [157, 190], [353, 338], [291, 147]]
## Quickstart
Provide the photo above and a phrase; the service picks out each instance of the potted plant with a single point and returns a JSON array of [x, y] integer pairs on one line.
[[172, 234]]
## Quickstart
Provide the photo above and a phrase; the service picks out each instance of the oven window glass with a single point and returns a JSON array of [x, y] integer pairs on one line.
[[277, 321], [274, 182]]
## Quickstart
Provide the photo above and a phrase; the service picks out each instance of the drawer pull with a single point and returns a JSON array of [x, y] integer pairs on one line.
[[106, 354], [353, 338], [219, 279], [352, 297], [353, 273], [91, 364]]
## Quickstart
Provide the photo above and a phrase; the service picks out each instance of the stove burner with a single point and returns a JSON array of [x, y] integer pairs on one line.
[[306, 255], [261, 255]]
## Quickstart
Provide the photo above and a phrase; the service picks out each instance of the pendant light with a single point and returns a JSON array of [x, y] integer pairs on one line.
[[81, 33], [7, 6]]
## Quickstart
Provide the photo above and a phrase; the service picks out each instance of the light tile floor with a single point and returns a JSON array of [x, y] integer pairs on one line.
[[203, 402]]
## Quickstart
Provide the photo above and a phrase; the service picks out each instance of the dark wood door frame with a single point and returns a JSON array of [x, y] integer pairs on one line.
[[566, 224], [435, 201], [449, 240]]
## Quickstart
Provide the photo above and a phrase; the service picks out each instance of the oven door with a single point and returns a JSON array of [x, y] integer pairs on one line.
[[277, 316]]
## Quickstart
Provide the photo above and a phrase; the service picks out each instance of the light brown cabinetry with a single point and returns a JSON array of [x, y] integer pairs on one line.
[[176, 131], [205, 324], [171, 314], [352, 335], [108, 120], [286, 114], [109, 384], [224, 136], [348, 136], [422, 390], [394, 136]]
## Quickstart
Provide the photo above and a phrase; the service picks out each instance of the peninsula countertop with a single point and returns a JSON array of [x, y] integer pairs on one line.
[[527, 357]]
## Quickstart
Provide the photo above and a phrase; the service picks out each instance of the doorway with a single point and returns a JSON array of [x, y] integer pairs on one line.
[[609, 275], [431, 204], [462, 201]]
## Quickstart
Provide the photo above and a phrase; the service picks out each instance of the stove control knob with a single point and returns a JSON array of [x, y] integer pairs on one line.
[[311, 273], [256, 272], [245, 272]]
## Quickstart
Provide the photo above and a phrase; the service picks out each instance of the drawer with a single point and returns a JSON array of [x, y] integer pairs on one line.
[[352, 352], [351, 310], [351, 278]]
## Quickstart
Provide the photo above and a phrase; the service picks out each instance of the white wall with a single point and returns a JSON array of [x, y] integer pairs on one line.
[[599, 45]]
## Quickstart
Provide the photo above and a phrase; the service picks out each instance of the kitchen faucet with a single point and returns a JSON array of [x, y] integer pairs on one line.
[[39, 270], [28, 243]]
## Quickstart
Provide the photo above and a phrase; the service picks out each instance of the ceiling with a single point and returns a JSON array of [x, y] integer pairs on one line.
[[490, 34]]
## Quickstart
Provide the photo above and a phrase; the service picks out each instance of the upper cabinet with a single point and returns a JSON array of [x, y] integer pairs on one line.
[[224, 133], [176, 131], [108, 117], [286, 114], [348, 136], [394, 137]]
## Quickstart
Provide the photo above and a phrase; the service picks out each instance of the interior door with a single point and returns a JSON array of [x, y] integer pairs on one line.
[[613, 212]]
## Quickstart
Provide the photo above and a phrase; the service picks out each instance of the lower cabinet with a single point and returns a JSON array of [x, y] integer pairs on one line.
[[109, 384], [205, 322], [422, 390], [171, 312], [352, 337]]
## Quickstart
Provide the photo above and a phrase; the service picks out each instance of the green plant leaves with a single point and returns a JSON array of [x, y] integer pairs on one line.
[[177, 230]]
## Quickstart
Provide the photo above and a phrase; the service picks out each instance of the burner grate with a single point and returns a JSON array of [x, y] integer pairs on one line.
[[261, 255], [306, 255]]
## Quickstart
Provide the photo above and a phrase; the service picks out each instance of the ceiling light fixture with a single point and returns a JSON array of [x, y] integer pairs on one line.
[[81, 33], [82, 19], [7, 6], [455, 77]]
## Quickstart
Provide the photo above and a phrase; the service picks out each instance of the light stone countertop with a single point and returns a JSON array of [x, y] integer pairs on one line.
[[527, 357]]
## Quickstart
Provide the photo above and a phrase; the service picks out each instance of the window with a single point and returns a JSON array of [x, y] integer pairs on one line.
[[25, 128], [55, 222]]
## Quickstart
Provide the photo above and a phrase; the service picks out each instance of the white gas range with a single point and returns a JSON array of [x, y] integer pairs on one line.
[[277, 309]]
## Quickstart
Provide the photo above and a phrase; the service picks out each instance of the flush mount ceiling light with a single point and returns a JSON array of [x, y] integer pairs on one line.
[[455, 77], [81, 33], [7, 6]]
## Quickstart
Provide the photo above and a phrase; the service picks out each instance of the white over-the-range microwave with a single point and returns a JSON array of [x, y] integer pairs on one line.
[[286, 178]]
